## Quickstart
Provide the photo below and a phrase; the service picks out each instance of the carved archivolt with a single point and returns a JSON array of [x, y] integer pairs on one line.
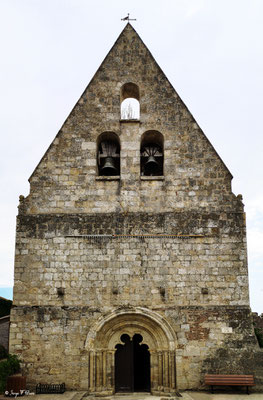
[[106, 333], [156, 331]]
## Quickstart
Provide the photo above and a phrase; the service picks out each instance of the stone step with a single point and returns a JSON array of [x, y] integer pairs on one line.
[[133, 396], [142, 396], [80, 396]]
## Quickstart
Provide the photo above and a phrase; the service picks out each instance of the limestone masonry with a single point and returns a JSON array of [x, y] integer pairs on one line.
[[131, 260]]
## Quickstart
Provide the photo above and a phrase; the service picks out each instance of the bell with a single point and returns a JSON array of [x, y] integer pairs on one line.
[[109, 168], [151, 166], [151, 162]]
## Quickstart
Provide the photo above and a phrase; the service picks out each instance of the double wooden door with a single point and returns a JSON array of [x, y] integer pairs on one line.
[[132, 365]]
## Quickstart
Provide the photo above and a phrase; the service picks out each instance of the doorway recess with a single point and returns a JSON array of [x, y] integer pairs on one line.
[[132, 365]]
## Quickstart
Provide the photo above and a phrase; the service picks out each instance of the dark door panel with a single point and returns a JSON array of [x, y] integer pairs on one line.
[[132, 365], [124, 366]]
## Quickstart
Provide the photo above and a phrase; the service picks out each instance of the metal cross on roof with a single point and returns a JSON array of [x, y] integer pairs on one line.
[[128, 18]]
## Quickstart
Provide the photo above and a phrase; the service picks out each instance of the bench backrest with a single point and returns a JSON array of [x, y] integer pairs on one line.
[[246, 380]]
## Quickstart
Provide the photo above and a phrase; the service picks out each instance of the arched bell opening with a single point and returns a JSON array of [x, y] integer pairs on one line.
[[152, 154], [108, 154], [132, 365], [130, 101]]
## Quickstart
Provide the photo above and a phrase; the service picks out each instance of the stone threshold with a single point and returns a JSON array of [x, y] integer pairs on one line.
[[138, 396]]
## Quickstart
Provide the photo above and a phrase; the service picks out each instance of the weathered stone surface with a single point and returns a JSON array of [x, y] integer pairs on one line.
[[160, 256], [4, 331], [52, 251]]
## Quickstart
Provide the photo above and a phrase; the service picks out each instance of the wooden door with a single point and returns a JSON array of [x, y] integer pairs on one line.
[[132, 365], [124, 365]]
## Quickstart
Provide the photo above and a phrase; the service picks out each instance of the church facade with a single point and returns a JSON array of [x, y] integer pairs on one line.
[[131, 260]]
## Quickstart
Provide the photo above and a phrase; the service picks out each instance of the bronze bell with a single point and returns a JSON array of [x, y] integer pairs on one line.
[[109, 167], [151, 162], [151, 165]]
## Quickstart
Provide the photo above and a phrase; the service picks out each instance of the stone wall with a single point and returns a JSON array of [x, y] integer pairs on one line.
[[4, 331], [190, 268], [167, 252], [211, 339], [66, 179], [258, 321], [143, 265]]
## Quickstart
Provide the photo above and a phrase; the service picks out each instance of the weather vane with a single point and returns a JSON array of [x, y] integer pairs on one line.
[[128, 18]]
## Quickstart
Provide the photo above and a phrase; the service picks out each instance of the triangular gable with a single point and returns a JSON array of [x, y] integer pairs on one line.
[[124, 35]]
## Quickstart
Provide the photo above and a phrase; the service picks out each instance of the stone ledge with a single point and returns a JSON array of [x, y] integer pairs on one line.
[[130, 121], [152, 178], [108, 178]]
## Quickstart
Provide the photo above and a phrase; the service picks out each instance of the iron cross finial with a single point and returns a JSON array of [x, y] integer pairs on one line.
[[128, 18]]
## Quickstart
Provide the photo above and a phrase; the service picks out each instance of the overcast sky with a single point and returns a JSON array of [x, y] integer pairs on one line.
[[210, 50]]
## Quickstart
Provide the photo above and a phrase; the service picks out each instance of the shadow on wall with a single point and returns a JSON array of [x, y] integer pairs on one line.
[[5, 307], [258, 327]]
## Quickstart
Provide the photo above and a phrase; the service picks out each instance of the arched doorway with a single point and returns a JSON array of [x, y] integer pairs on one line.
[[132, 365], [151, 342]]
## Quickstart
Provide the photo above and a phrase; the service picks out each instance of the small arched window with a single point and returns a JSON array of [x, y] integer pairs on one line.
[[152, 154], [108, 154], [130, 101]]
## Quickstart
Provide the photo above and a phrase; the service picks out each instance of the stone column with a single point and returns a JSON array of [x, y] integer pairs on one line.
[[98, 371], [154, 370], [160, 371], [109, 369], [165, 371], [172, 369], [91, 371], [104, 370]]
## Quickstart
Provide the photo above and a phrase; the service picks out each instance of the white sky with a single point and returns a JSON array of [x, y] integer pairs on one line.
[[210, 50]]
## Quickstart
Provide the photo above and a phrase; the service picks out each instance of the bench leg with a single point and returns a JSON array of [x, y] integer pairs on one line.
[[212, 391], [247, 390]]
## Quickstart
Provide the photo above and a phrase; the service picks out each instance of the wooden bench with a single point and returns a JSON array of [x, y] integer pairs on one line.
[[229, 380]]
